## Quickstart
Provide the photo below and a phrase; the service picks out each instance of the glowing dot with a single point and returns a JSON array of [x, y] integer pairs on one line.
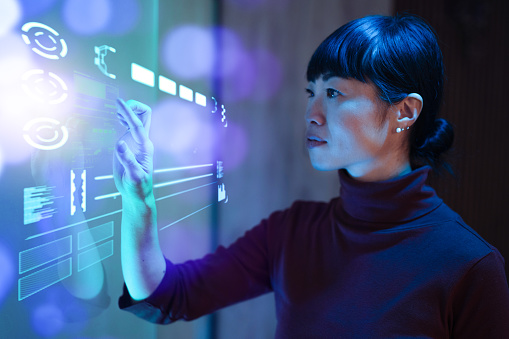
[[10, 14], [188, 52], [87, 17]]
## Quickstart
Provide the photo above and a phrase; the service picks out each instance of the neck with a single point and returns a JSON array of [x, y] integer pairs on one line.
[[380, 172]]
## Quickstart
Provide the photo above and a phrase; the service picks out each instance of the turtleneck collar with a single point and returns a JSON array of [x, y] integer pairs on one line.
[[396, 200]]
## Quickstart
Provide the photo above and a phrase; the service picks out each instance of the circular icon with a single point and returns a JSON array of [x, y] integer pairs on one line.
[[45, 87], [45, 40], [45, 133]]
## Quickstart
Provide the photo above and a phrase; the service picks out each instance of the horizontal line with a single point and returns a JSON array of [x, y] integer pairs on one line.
[[187, 216], [191, 189], [103, 177], [111, 195], [169, 183], [181, 168], [174, 182], [71, 225]]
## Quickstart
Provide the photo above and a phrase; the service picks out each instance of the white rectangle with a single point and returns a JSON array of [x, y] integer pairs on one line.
[[200, 99], [186, 93], [142, 75], [167, 85]]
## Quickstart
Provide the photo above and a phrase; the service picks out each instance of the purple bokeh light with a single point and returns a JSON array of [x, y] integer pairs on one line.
[[47, 320], [87, 17], [34, 8], [125, 15], [258, 77], [7, 278], [269, 74], [179, 129], [188, 52], [236, 146], [231, 51]]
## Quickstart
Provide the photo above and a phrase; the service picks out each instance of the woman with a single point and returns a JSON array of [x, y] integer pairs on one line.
[[387, 258]]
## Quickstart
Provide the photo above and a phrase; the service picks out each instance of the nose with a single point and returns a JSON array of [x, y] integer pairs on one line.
[[315, 113]]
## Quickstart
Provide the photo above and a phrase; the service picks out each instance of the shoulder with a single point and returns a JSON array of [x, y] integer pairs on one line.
[[301, 212], [456, 244]]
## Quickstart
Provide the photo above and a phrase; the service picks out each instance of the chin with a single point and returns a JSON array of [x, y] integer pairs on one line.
[[320, 166]]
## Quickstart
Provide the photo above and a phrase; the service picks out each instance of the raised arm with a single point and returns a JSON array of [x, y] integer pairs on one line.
[[143, 263]]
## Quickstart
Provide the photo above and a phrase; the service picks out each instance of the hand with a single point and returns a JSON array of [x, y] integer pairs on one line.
[[133, 159]]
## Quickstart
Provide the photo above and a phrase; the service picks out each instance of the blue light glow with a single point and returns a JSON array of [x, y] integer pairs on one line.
[[87, 17]]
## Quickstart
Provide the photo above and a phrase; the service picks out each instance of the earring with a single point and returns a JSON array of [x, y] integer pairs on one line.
[[398, 130]]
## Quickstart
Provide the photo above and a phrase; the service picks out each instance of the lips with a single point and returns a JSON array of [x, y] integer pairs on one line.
[[313, 141]]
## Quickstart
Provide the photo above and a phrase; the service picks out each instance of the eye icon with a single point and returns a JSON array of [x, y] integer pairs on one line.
[[44, 40], [45, 133], [45, 87]]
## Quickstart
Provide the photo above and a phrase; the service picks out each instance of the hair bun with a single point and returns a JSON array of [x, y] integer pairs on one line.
[[437, 142]]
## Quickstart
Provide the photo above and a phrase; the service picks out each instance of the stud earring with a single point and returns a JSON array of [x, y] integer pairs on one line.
[[398, 130]]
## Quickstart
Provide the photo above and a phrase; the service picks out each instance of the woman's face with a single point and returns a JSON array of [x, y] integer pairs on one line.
[[345, 128]]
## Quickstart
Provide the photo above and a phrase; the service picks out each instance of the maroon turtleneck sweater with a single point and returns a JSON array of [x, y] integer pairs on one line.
[[385, 259]]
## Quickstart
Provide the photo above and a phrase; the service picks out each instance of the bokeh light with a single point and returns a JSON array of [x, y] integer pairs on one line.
[[188, 52], [241, 83], [14, 60], [87, 17], [8, 276], [231, 51], [33, 8], [236, 146], [47, 320], [269, 74], [10, 14], [175, 126], [125, 15]]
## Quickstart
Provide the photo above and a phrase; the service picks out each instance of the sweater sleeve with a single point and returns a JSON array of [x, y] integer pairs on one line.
[[481, 301], [198, 287]]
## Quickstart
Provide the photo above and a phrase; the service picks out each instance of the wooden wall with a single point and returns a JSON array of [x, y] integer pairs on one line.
[[474, 37]]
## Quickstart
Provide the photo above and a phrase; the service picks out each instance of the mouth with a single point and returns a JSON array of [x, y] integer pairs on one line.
[[313, 141]]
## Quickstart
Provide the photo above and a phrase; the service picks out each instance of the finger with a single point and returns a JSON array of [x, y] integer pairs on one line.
[[128, 161], [144, 112], [134, 123], [122, 121]]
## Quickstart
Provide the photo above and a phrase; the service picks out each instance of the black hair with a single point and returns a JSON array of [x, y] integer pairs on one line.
[[399, 55]]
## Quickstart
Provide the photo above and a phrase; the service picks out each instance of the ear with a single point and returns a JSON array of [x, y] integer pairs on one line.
[[409, 109]]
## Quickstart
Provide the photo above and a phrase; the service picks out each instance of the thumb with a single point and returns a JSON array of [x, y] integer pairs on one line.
[[128, 161]]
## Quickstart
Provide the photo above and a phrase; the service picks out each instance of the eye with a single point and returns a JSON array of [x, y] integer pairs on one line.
[[332, 93], [310, 93]]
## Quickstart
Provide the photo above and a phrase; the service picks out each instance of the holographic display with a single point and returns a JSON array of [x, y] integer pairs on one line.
[[59, 196]]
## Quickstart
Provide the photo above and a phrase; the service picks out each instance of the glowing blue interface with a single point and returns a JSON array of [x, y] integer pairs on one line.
[[62, 65]]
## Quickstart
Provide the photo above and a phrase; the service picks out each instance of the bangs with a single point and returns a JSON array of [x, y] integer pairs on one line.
[[346, 53]]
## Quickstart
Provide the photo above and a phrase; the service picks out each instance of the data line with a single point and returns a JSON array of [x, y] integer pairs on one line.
[[187, 216], [171, 169], [181, 192]]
